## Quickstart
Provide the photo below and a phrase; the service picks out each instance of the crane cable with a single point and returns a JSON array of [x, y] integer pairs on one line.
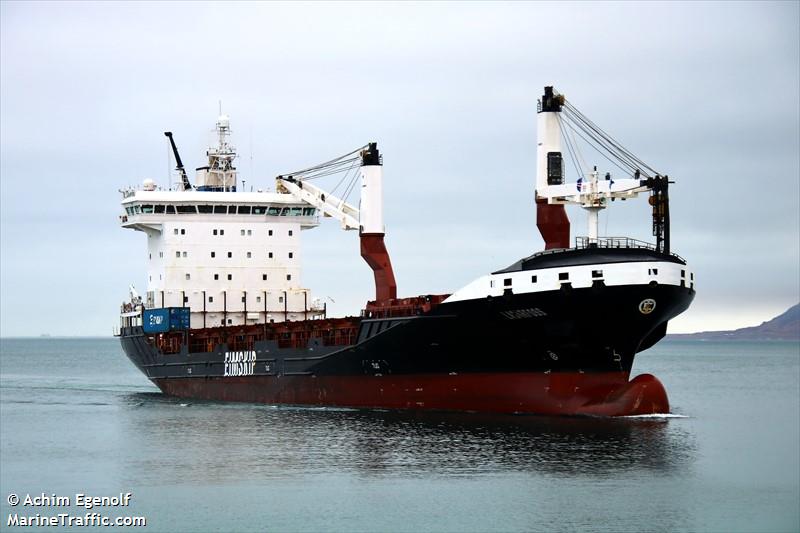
[[572, 149], [327, 168], [605, 141]]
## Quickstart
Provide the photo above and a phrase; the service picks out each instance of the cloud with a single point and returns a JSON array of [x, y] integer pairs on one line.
[[705, 92]]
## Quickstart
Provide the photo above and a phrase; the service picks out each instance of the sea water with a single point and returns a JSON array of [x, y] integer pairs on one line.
[[77, 418]]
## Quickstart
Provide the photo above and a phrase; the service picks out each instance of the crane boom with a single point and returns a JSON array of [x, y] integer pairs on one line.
[[185, 180], [329, 204]]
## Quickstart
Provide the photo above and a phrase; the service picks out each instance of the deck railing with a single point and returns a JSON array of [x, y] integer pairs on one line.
[[582, 243]]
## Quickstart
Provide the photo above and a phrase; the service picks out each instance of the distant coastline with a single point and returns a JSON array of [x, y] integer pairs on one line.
[[784, 327]]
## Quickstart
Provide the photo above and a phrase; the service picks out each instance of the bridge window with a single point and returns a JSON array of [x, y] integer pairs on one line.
[[147, 209], [220, 209], [158, 209], [274, 211], [507, 282], [308, 211], [259, 210], [297, 211], [563, 276], [136, 209], [244, 210], [186, 209], [170, 209]]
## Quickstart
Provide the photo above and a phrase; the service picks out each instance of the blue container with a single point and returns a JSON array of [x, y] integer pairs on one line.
[[156, 320], [178, 318], [166, 319]]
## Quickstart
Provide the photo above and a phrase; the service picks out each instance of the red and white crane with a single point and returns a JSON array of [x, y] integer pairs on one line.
[[367, 218]]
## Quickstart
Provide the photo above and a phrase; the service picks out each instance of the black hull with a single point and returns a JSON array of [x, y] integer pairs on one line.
[[582, 332]]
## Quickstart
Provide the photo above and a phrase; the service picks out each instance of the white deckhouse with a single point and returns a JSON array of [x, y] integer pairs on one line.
[[232, 257]]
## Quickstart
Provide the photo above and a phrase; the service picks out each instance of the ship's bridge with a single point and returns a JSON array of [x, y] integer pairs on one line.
[[147, 210]]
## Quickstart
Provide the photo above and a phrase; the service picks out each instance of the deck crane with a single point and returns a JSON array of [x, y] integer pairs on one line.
[[367, 219], [185, 180], [558, 121]]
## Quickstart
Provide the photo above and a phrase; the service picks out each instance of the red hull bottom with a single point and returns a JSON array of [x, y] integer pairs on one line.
[[563, 393]]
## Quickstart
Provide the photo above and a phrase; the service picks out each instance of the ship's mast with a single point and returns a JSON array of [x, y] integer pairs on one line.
[[220, 157], [220, 174]]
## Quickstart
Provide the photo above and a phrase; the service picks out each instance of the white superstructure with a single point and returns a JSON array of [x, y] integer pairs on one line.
[[232, 257]]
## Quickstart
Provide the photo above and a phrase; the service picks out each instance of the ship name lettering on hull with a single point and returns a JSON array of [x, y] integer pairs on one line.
[[240, 363], [531, 312]]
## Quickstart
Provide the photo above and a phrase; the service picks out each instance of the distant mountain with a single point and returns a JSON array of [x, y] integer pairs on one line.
[[783, 327]]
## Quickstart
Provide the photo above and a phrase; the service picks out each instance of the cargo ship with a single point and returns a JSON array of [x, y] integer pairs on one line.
[[226, 317]]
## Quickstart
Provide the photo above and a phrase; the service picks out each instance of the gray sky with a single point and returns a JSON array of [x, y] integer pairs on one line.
[[707, 93]]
